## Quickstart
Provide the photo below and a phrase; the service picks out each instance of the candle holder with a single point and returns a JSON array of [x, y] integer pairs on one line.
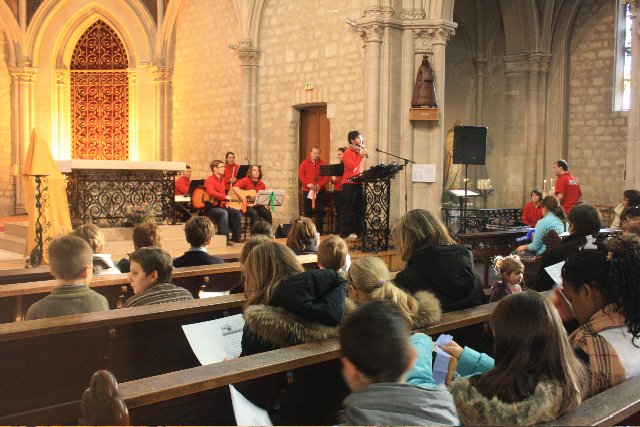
[[484, 192]]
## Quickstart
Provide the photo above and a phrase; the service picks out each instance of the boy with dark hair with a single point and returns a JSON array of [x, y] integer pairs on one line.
[[70, 260], [262, 227], [199, 231], [144, 234], [376, 355], [150, 278]]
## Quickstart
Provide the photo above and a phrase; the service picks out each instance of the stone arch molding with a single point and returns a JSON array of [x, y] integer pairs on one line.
[[12, 32], [58, 25]]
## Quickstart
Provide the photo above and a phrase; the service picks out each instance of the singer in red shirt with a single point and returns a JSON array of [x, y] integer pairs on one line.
[[352, 212], [222, 215], [309, 176], [230, 171]]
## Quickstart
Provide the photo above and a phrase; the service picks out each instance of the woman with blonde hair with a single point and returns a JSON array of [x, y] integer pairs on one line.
[[303, 236], [289, 306], [434, 262]]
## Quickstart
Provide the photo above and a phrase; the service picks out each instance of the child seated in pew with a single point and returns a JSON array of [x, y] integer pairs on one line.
[[333, 254], [511, 270], [70, 260], [150, 278], [244, 254], [303, 237], [144, 234], [287, 306], [199, 230], [535, 377], [376, 357], [262, 227], [600, 290], [102, 263]]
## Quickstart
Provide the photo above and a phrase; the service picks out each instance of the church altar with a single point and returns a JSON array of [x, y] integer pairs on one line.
[[99, 191]]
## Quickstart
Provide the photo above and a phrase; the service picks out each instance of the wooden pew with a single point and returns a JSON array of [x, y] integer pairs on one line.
[[15, 299], [619, 405], [45, 363]]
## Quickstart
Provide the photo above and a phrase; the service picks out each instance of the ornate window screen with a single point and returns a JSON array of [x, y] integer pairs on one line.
[[99, 96]]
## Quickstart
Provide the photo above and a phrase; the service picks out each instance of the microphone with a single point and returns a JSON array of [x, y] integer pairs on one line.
[[362, 145]]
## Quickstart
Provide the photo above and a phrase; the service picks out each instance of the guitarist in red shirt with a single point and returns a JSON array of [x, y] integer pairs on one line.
[[220, 213], [253, 181]]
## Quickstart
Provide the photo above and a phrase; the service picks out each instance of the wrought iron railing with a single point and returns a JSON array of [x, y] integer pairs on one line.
[[476, 220]]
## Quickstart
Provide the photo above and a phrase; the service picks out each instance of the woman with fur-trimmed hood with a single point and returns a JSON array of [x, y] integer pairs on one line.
[[535, 377], [288, 306]]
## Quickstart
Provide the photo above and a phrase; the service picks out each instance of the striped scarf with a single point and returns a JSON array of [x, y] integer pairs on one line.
[[606, 368]]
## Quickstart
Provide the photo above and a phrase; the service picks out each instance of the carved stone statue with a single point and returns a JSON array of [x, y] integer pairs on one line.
[[424, 94]]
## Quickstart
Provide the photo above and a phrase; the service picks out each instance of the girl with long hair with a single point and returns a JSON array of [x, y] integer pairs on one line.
[[553, 218]]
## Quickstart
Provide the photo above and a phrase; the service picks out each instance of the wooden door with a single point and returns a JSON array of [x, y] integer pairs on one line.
[[314, 132]]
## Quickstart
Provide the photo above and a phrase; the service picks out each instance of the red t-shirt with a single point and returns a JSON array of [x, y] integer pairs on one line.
[[215, 188], [230, 171], [531, 214], [182, 186], [353, 164], [247, 184], [569, 187], [309, 173]]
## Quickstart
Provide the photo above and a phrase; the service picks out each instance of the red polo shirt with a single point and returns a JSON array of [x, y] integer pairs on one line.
[[353, 164], [309, 173], [182, 186], [215, 188], [569, 187]]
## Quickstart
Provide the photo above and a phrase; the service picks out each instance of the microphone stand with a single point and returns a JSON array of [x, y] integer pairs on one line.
[[406, 162]]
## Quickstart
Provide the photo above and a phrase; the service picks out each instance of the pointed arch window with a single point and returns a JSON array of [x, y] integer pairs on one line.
[[99, 96]]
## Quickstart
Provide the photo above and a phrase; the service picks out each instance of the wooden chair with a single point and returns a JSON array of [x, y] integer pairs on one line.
[[101, 403]]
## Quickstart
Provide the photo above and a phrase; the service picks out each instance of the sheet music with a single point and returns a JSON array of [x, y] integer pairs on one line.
[[212, 294], [213, 340], [554, 272], [248, 414]]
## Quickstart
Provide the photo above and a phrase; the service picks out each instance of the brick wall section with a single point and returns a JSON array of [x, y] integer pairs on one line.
[[7, 187], [597, 139], [207, 102], [306, 42]]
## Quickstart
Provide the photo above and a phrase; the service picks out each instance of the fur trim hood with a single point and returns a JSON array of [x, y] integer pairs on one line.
[[476, 409], [429, 310], [282, 328]]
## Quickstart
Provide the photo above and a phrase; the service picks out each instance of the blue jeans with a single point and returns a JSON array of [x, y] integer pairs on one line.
[[224, 217]]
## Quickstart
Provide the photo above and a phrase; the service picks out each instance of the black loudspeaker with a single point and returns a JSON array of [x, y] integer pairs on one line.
[[469, 145], [283, 231]]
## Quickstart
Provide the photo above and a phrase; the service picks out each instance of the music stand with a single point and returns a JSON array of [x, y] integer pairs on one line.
[[242, 171], [264, 197], [462, 199], [332, 170]]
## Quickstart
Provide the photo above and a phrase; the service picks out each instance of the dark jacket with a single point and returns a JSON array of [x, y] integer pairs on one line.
[[569, 246], [448, 272], [310, 395], [309, 247], [193, 258]]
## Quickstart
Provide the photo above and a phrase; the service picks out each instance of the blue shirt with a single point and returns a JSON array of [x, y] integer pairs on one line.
[[549, 222]]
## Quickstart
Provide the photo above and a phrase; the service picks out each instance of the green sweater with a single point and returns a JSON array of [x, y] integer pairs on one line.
[[65, 300]]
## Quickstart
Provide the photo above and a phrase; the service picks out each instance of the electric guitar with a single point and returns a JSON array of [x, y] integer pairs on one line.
[[200, 199]]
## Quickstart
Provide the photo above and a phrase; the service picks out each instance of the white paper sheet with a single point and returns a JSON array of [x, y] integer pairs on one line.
[[441, 364], [248, 414], [214, 340], [554, 272], [212, 294], [423, 173], [311, 194]]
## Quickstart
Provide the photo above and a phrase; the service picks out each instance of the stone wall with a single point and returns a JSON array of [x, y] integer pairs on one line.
[[306, 42], [207, 114], [597, 134], [7, 187]]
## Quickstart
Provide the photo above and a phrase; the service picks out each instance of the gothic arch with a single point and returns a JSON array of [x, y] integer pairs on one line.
[[11, 30], [166, 43], [521, 26]]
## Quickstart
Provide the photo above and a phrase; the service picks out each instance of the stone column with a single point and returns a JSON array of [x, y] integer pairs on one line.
[[162, 77], [62, 89], [544, 162], [481, 65], [249, 62], [372, 34], [134, 140], [532, 162], [23, 81], [633, 120]]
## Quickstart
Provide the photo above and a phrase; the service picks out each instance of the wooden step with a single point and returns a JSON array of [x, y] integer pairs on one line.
[[12, 243], [17, 228]]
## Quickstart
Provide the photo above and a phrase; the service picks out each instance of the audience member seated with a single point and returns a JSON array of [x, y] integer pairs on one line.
[[630, 221], [532, 211], [553, 219], [199, 230], [303, 236], [376, 357], [70, 260], [144, 234], [333, 254], [629, 198], [535, 377], [288, 306], [603, 295], [244, 254], [262, 227], [511, 271], [435, 263], [150, 278], [102, 263], [253, 181], [584, 220], [369, 279]]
